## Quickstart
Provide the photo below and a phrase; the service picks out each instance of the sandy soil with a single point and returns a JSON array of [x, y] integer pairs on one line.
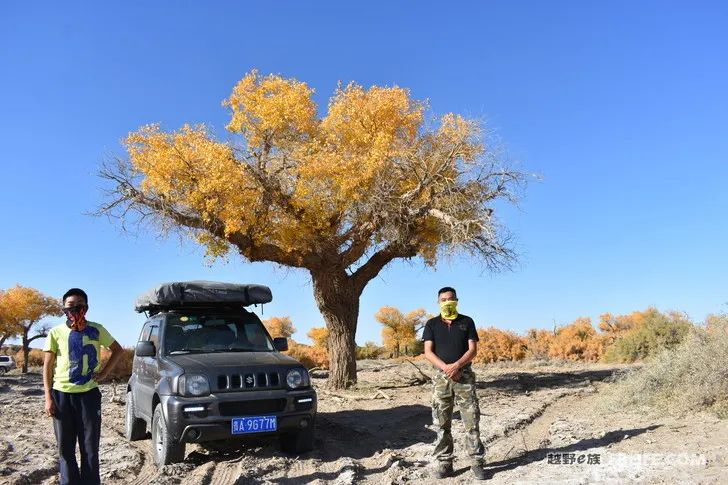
[[380, 433]]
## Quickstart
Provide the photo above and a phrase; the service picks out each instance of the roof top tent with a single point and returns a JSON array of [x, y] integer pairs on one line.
[[187, 294]]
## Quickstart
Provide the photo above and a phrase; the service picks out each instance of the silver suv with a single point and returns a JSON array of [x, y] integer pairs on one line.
[[6, 363]]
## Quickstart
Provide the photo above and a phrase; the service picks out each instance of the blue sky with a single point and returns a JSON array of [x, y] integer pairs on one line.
[[622, 107]]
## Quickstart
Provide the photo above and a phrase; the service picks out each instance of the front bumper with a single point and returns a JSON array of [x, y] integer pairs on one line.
[[186, 422]]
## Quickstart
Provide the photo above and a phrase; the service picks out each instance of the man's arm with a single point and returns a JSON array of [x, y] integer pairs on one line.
[[469, 355], [432, 357], [49, 360], [116, 353]]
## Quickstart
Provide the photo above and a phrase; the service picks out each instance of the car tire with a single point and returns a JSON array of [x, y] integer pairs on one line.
[[3, 370], [165, 449], [297, 442], [136, 428]]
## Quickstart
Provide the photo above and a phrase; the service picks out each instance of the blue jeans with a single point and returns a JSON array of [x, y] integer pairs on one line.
[[78, 419]]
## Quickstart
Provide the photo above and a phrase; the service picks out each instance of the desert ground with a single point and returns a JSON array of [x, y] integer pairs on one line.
[[380, 433]]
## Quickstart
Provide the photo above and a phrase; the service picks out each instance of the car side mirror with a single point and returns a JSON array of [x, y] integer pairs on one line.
[[280, 343], [145, 349]]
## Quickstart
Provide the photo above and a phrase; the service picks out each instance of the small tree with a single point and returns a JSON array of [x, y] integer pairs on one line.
[[577, 341], [23, 308], [280, 327], [7, 330], [320, 337], [340, 196], [400, 331], [538, 343], [499, 345]]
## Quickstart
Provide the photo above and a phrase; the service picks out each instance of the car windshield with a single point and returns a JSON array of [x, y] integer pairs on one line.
[[196, 333]]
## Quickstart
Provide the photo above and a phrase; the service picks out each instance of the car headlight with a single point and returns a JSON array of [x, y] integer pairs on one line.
[[194, 385], [297, 378]]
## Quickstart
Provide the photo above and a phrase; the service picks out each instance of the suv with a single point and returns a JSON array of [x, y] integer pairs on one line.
[[6, 363], [205, 369]]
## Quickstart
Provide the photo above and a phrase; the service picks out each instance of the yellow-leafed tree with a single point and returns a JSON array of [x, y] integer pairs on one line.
[[399, 334], [279, 327], [577, 341], [22, 309], [497, 345], [320, 337], [340, 195]]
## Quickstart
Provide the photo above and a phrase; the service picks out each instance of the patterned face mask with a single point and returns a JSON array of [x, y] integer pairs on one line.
[[449, 310], [76, 317]]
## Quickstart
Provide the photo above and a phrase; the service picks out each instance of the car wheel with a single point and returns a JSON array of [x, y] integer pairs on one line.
[[165, 449], [297, 442], [136, 428], [3, 370]]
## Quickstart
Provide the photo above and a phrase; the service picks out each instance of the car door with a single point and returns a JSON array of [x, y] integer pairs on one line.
[[141, 388], [148, 369]]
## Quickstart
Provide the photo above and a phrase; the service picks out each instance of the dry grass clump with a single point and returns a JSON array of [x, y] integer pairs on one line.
[[691, 377]]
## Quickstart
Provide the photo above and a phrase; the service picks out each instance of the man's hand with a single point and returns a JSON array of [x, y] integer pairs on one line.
[[451, 370], [100, 376], [50, 406]]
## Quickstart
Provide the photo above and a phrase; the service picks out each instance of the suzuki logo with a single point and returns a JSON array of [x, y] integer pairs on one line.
[[249, 379]]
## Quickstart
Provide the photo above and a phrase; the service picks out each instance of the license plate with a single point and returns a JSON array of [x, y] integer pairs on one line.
[[253, 424]]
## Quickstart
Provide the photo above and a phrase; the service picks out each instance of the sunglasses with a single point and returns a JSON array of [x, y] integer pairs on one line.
[[74, 309]]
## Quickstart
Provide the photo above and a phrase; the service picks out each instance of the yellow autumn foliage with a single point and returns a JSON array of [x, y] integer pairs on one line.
[[279, 327]]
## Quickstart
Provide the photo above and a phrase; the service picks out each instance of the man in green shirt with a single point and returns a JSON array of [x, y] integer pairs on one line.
[[71, 370]]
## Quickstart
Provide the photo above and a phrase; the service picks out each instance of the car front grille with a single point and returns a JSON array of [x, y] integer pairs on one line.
[[249, 380], [260, 406]]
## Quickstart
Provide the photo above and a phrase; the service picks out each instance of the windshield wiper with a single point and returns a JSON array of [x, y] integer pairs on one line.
[[235, 349], [185, 351]]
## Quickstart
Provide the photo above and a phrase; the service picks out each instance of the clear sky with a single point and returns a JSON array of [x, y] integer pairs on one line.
[[621, 106]]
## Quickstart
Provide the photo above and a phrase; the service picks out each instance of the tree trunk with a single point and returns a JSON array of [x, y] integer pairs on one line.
[[3, 338], [338, 301], [26, 350]]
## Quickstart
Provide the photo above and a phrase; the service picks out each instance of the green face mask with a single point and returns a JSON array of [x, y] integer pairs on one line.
[[449, 310]]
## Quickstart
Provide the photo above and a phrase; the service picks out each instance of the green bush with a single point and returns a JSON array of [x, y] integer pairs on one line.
[[658, 332], [690, 377]]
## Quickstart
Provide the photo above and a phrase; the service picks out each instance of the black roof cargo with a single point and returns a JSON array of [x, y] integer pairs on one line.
[[184, 294]]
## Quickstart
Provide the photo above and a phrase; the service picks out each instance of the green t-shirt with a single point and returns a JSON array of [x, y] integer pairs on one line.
[[78, 355]]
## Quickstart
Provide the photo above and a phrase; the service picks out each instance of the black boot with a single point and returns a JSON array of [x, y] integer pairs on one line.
[[479, 471], [443, 470]]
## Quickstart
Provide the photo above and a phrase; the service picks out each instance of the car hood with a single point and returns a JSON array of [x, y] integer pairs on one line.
[[230, 360]]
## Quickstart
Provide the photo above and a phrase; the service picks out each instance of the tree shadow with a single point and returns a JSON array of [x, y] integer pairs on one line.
[[517, 382], [353, 434], [582, 445]]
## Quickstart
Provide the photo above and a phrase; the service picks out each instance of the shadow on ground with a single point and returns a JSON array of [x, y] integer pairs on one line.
[[542, 454], [528, 381], [354, 434]]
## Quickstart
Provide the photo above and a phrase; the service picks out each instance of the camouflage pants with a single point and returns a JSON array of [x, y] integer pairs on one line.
[[446, 393]]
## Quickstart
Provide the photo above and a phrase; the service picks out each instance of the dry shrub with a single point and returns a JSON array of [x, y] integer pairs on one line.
[[122, 370], [690, 377], [499, 345], [35, 358], [577, 341], [369, 350], [654, 332], [309, 356]]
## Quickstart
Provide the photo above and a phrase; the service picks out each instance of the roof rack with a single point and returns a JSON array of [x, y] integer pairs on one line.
[[188, 294]]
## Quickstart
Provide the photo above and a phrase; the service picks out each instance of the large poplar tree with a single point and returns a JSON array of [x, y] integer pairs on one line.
[[340, 195]]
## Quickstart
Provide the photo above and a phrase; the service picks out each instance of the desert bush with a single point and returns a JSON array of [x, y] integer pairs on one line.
[[369, 350], [499, 345], [655, 332], [689, 377], [309, 356], [35, 358], [577, 341], [122, 370], [538, 343]]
